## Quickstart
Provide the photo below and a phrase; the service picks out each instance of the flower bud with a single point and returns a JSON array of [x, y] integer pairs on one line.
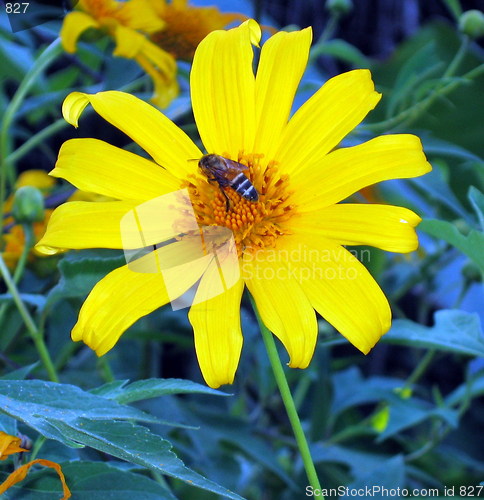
[[471, 272], [339, 7], [28, 205], [471, 23]]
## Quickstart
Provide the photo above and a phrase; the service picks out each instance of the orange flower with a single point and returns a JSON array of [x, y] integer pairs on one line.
[[9, 445]]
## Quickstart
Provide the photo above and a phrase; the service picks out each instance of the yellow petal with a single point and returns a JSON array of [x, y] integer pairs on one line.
[[283, 306], [326, 118], [223, 91], [161, 66], [9, 445], [282, 62], [73, 106], [19, 474], [75, 23], [255, 31], [166, 143], [81, 224], [141, 16], [347, 170], [128, 42], [124, 296], [164, 89], [37, 178], [383, 226], [96, 166], [129, 225], [340, 288], [216, 327]]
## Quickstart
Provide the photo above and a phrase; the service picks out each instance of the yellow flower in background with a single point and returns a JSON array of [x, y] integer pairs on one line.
[[187, 25], [13, 240], [289, 243], [128, 23]]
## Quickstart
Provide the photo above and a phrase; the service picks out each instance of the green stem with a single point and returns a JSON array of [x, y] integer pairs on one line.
[[6, 166], [34, 332], [329, 29], [105, 368], [454, 8], [457, 59], [37, 446], [29, 239], [288, 403], [420, 368]]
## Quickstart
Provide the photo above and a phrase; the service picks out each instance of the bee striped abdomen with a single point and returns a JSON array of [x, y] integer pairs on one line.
[[242, 185]]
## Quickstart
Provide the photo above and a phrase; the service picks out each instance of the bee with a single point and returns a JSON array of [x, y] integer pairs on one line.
[[228, 173]]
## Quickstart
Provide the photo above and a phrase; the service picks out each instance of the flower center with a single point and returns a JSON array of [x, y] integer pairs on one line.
[[185, 29], [255, 225], [187, 26]]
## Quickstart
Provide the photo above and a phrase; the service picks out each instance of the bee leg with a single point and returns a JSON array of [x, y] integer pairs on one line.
[[227, 200]]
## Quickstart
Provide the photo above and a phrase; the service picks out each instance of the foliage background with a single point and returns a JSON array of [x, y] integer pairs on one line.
[[409, 415]]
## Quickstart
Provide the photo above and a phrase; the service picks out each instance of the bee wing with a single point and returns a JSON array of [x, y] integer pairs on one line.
[[234, 168]]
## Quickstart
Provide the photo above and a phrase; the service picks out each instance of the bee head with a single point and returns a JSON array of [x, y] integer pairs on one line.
[[208, 163]]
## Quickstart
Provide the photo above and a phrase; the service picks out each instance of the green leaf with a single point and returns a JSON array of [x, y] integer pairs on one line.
[[342, 50], [389, 475], [351, 389], [8, 425], [20, 373], [137, 445], [477, 201], [222, 429], [453, 331], [90, 481], [359, 462], [471, 389], [152, 388], [38, 404], [16, 60], [80, 271], [63, 78], [470, 245], [433, 146], [29, 298], [76, 418], [406, 413], [434, 184]]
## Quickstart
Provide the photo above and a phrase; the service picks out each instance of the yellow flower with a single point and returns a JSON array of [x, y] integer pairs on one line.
[[187, 25], [128, 23], [288, 243]]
